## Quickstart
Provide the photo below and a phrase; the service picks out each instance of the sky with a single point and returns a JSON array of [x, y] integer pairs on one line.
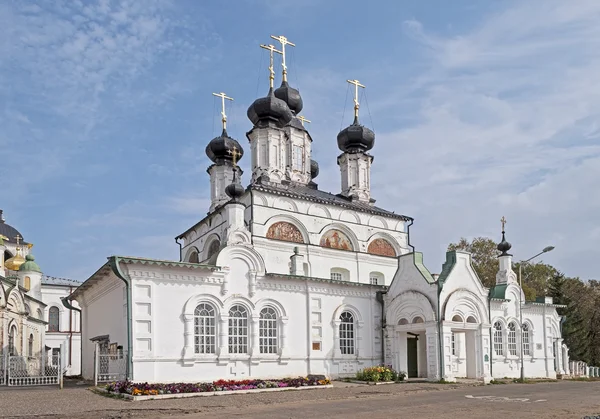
[[480, 109]]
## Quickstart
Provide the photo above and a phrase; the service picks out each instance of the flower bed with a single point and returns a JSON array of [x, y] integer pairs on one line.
[[380, 373], [145, 389]]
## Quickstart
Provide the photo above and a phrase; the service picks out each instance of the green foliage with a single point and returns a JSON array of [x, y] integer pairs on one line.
[[380, 373], [484, 256]]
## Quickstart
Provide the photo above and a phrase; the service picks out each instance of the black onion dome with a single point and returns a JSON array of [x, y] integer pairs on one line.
[[9, 231], [314, 169], [220, 149], [290, 96], [234, 190], [356, 138], [504, 246], [270, 109]]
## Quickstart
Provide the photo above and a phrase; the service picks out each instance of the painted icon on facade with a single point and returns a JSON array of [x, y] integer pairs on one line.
[[335, 239], [381, 247], [286, 232]]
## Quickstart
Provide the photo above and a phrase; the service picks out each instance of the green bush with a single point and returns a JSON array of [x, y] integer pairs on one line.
[[380, 373]]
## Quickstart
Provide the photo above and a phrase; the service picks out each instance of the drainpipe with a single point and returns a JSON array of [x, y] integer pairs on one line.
[[491, 338], [70, 331], [412, 221], [67, 303], [177, 241], [379, 296], [440, 330], [113, 262]]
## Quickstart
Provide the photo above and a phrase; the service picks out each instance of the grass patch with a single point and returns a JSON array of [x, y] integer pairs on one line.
[[498, 382]]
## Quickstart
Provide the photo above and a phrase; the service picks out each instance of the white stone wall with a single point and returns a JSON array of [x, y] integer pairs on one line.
[[308, 312], [104, 313]]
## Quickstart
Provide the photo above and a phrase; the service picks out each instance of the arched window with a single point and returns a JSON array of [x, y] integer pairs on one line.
[[238, 330], [498, 339], [403, 321], [471, 319], [53, 320], [457, 318], [12, 338], [30, 346], [205, 331], [418, 319], [347, 333], [526, 342], [27, 283], [512, 338], [267, 329], [194, 257]]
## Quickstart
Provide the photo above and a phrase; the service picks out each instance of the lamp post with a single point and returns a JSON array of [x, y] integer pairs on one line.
[[545, 250]]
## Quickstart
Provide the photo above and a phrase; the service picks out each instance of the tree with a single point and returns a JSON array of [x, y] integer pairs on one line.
[[484, 256]]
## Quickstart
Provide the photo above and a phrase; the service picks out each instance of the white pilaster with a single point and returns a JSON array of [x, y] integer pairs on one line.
[[269, 153], [355, 169], [221, 176]]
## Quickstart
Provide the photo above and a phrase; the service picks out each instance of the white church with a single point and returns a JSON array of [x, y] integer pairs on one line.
[[283, 279]]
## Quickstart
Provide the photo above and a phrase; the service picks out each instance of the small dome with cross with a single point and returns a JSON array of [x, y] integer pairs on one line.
[[224, 149]]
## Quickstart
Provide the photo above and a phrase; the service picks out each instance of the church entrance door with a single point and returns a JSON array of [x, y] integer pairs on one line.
[[412, 357]]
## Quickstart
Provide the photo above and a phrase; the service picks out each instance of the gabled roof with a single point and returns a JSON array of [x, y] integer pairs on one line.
[[307, 193]]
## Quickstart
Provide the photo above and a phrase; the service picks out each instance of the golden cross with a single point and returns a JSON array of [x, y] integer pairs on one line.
[[235, 154], [223, 96], [271, 49], [303, 119], [503, 221], [356, 84], [284, 41]]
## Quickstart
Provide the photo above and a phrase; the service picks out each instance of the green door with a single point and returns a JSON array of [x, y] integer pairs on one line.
[[411, 354]]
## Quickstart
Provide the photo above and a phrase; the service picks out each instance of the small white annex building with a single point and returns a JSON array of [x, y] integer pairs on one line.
[[283, 279]]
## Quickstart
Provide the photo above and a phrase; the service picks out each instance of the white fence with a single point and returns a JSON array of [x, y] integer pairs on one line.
[[16, 370], [110, 366]]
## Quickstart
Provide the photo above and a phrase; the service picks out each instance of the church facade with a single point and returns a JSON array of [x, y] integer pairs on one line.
[[283, 279], [34, 323]]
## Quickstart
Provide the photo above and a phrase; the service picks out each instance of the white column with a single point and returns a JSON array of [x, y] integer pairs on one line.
[[433, 358], [254, 337], [559, 356], [447, 353], [188, 336], [283, 348], [223, 350]]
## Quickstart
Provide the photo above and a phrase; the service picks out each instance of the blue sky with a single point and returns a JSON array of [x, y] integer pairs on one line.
[[481, 109]]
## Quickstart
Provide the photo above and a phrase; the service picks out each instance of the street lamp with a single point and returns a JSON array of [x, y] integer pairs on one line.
[[545, 250]]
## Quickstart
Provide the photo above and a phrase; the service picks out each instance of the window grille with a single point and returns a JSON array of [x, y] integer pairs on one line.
[[374, 280], [453, 343], [498, 339], [267, 329], [347, 336], [205, 333], [526, 342], [298, 157], [336, 276], [238, 330], [512, 339], [53, 320]]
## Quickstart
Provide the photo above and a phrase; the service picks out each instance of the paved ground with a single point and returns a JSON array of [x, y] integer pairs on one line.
[[563, 399]]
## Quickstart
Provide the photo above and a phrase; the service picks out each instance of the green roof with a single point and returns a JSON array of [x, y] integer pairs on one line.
[[447, 266], [30, 265], [418, 259], [498, 292]]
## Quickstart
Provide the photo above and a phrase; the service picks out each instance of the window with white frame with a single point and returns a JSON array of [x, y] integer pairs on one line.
[[30, 346], [53, 319], [12, 338], [526, 342], [374, 280], [347, 336], [498, 343], [453, 343], [238, 330], [512, 338], [336, 276], [205, 329], [297, 157], [267, 329]]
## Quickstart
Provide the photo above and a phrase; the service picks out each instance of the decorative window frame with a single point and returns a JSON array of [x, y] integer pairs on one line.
[[502, 343], [58, 318], [358, 326], [531, 331], [189, 354]]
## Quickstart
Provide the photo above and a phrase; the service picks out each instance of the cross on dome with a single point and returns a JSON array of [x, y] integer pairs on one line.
[[356, 84], [223, 96], [284, 41], [271, 49], [303, 119]]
